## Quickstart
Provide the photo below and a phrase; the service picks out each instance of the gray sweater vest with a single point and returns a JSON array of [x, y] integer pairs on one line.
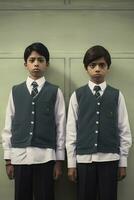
[[97, 125], [34, 120]]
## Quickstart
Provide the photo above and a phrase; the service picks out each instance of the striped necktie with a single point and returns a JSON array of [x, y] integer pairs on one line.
[[97, 93], [34, 89]]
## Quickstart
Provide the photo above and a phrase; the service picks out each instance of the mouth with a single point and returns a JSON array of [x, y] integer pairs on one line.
[[97, 75], [36, 70]]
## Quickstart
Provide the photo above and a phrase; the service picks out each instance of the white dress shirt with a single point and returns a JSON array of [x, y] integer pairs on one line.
[[124, 133], [34, 155]]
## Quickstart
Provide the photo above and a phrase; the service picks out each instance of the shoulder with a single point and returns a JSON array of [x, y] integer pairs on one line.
[[19, 86], [112, 88], [50, 88], [48, 84], [112, 92], [81, 89]]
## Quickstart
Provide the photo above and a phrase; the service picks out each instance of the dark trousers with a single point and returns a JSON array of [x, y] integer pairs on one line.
[[97, 181], [34, 181]]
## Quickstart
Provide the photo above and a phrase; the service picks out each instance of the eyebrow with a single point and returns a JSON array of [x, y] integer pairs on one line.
[[37, 57], [98, 62]]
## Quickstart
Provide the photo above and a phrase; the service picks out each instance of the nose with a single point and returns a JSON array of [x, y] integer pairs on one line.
[[97, 68], [36, 63]]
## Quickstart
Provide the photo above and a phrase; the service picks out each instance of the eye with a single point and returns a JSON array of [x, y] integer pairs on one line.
[[92, 65], [31, 60], [102, 65], [41, 60]]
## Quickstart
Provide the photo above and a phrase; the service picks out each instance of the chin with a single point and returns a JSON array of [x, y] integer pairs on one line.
[[98, 79]]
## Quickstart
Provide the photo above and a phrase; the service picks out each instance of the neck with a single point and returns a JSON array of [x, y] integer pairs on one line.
[[97, 81], [35, 78]]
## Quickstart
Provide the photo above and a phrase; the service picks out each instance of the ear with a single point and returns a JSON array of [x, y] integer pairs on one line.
[[86, 69], [108, 69], [47, 64], [25, 64]]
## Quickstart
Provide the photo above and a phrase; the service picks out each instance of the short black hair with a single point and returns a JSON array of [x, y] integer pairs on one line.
[[95, 53], [39, 48]]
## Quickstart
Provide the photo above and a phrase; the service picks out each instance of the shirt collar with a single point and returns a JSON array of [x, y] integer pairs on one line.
[[39, 81], [102, 85]]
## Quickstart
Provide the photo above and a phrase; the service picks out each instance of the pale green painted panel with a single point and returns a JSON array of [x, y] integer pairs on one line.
[[77, 67], [6, 2], [25, 4], [121, 76], [56, 72], [105, 4], [67, 31], [12, 72]]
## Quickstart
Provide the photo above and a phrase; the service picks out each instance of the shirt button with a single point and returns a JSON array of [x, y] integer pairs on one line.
[[33, 112], [97, 112], [33, 103], [31, 133], [98, 103], [32, 122], [96, 131], [97, 122], [95, 145]]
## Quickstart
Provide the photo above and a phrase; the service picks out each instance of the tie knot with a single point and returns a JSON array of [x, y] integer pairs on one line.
[[97, 88], [34, 84]]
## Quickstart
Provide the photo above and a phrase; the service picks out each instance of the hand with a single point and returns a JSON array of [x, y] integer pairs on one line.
[[57, 170], [10, 170], [72, 174], [121, 173]]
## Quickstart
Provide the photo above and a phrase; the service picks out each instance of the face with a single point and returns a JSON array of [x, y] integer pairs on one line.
[[97, 70], [36, 65]]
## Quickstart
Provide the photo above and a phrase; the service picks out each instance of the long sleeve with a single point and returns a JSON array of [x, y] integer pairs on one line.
[[124, 131], [71, 131], [60, 119], [6, 133]]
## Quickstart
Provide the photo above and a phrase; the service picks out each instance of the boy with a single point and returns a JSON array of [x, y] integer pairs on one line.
[[33, 137], [98, 133]]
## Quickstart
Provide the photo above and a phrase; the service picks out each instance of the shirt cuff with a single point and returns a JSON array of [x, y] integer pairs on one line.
[[71, 163], [7, 155], [60, 155], [123, 161]]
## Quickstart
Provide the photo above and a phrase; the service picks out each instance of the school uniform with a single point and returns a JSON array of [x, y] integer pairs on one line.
[[33, 137], [98, 140]]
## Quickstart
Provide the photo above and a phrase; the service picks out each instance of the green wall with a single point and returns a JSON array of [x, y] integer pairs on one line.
[[68, 28]]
